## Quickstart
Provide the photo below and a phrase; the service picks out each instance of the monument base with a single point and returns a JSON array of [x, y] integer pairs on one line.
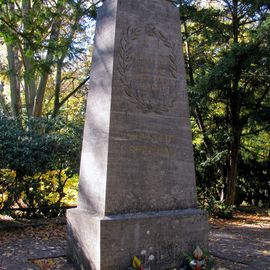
[[159, 239]]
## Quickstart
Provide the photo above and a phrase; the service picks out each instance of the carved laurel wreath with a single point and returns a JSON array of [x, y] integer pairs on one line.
[[167, 95]]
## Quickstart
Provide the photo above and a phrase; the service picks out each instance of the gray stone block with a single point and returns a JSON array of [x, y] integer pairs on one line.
[[159, 239]]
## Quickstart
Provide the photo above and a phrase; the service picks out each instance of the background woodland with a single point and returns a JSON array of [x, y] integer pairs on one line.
[[45, 60]]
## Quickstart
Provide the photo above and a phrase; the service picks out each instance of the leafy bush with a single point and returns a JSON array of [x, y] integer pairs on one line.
[[37, 161], [254, 184], [215, 208]]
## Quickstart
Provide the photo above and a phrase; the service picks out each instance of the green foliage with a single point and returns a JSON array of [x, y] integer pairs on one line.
[[254, 186], [46, 44], [215, 208], [188, 258], [227, 59], [30, 148], [228, 67], [48, 60], [37, 163]]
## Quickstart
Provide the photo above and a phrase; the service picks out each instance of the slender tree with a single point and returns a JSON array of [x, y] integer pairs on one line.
[[42, 39], [222, 77]]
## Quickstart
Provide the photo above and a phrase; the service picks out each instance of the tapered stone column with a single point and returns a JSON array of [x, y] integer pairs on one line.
[[137, 193]]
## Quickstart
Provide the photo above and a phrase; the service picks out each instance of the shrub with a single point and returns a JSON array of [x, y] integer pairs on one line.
[[37, 160], [215, 208]]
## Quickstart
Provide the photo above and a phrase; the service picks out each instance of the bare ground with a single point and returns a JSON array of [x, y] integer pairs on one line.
[[240, 243]]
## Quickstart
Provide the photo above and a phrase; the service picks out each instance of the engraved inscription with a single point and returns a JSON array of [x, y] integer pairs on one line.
[[148, 76], [156, 143], [151, 137], [145, 149], [166, 255]]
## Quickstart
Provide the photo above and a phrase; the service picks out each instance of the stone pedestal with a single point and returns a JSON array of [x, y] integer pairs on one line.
[[159, 239], [137, 193]]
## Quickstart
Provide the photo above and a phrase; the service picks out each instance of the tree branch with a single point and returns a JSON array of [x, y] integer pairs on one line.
[[73, 92], [15, 31], [256, 131]]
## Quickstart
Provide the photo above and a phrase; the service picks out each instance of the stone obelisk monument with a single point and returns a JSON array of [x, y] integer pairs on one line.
[[137, 193]]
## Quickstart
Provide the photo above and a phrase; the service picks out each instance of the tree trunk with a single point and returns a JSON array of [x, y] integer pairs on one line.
[[30, 85], [29, 74], [197, 111], [13, 66], [233, 171], [3, 103], [234, 107], [235, 21], [58, 81], [55, 31], [12, 57], [234, 144]]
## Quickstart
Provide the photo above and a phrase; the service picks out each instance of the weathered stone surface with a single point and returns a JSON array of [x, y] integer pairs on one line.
[[137, 156], [137, 151], [94, 161], [159, 239]]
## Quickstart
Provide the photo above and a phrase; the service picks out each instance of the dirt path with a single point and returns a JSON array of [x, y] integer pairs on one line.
[[242, 243]]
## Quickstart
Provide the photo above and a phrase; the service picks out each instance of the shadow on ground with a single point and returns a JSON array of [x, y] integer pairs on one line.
[[242, 243]]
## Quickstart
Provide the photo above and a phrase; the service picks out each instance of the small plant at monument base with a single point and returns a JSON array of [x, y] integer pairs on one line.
[[198, 260], [136, 264]]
